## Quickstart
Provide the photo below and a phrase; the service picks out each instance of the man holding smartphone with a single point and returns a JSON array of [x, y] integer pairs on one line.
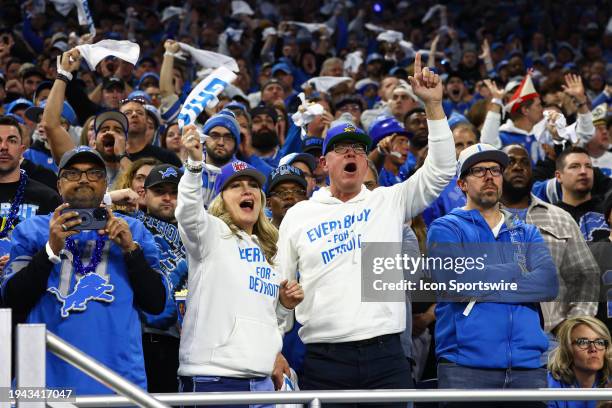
[[86, 285]]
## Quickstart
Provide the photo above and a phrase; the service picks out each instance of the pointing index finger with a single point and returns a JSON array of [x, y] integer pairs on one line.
[[417, 64]]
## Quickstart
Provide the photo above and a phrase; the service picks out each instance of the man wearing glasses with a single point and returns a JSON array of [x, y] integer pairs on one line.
[[86, 285], [287, 186], [352, 344], [496, 342]]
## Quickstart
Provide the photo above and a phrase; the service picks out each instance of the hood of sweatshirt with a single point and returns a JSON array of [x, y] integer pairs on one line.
[[510, 128], [324, 196]]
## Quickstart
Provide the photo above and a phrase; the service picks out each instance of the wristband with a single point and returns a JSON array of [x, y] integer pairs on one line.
[[497, 101], [54, 259], [61, 71], [62, 77], [170, 54], [194, 168]]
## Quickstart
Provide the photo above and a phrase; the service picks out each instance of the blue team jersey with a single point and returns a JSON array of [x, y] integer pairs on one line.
[[41, 158], [529, 142], [95, 312]]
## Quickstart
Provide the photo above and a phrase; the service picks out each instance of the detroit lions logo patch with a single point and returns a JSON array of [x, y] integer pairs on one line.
[[169, 172], [89, 287]]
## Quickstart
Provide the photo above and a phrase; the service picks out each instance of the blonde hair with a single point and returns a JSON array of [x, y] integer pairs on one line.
[[266, 232], [561, 360], [84, 139]]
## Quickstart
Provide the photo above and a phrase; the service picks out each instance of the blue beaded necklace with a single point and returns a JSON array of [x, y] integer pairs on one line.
[[96, 257], [17, 201]]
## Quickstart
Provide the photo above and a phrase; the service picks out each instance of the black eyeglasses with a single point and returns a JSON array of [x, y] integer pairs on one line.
[[479, 172], [288, 193], [358, 148], [75, 175], [584, 343]]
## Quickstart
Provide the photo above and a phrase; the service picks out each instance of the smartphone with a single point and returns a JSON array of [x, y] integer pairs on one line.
[[91, 218]]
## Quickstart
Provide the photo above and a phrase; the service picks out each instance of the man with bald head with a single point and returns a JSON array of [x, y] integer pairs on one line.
[[577, 270]]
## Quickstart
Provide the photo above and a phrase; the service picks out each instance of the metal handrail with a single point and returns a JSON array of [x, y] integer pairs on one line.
[[72, 355], [372, 396]]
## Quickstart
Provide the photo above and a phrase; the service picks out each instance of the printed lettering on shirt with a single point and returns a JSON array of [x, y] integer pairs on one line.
[[262, 281], [339, 234], [25, 210]]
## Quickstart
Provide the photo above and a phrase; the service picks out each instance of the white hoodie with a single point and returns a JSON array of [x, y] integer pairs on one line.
[[230, 327], [330, 270]]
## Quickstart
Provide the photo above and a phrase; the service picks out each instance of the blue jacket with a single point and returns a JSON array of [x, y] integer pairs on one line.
[[493, 335], [552, 383], [451, 197]]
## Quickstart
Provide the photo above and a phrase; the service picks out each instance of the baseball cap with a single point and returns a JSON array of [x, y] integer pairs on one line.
[[147, 76], [32, 71], [386, 126], [33, 112], [283, 173], [113, 82], [236, 169], [269, 82], [282, 67], [264, 110], [19, 102], [42, 86], [138, 94], [374, 57], [345, 131], [226, 119], [478, 153], [85, 153], [111, 115], [306, 158], [312, 145], [163, 173]]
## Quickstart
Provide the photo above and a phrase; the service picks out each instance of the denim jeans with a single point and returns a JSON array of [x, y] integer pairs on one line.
[[225, 384], [377, 363], [451, 375]]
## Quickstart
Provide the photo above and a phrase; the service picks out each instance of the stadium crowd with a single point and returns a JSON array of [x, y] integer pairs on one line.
[[190, 191]]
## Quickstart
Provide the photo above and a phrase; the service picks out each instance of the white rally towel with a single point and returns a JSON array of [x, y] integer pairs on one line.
[[241, 7], [209, 59], [205, 95], [64, 6], [306, 113], [312, 27], [94, 53], [325, 83], [374, 28], [390, 36], [353, 61], [290, 383], [172, 11]]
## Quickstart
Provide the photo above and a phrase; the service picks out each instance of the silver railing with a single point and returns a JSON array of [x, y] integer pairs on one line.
[[33, 340]]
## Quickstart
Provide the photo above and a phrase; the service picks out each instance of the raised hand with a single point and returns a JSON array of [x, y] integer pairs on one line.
[[119, 232], [60, 227], [191, 141], [496, 93], [172, 46], [573, 87], [71, 60], [291, 294], [425, 83]]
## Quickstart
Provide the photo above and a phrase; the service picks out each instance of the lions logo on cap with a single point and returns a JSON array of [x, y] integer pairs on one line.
[[239, 165], [169, 172], [350, 128]]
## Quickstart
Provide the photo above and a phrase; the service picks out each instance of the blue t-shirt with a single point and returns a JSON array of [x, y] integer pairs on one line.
[[95, 312]]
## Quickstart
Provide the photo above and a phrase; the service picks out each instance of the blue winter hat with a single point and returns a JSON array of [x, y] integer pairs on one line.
[[146, 76], [140, 94], [33, 113], [226, 119], [455, 119], [345, 131], [384, 127], [235, 169]]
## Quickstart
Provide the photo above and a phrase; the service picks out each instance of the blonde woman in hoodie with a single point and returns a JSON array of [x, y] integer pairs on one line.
[[237, 301]]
